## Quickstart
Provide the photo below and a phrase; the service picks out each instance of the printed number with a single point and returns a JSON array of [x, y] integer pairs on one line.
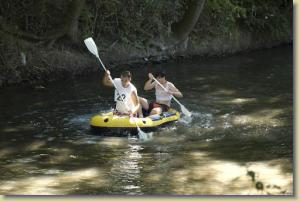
[[119, 97]]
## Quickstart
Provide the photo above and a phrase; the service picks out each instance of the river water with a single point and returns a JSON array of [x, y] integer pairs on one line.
[[239, 142]]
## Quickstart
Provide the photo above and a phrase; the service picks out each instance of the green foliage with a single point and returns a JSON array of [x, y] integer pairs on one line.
[[33, 16], [132, 22], [273, 17], [219, 17], [261, 17]]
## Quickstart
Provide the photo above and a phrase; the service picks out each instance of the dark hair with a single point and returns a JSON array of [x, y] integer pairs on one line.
[[126, 74], [160, 73]]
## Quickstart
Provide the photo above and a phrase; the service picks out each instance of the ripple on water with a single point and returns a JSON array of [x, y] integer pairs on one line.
[[46, 171], [126, 171], [200, 119]]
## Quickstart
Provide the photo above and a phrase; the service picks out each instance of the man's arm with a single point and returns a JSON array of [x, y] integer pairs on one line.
[[136, 102], [149, 85], [174, 91], [106, 80]]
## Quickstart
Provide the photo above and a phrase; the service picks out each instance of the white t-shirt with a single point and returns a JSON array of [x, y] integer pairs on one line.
[[125, 95], [162, 95]]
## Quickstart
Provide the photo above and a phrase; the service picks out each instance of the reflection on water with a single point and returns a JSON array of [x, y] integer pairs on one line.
[[240, 140], [126, 171]]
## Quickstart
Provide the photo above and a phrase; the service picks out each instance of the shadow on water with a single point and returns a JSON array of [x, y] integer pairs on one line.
[[239, 142]]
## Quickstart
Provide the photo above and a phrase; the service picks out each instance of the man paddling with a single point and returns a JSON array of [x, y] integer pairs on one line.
[[163, 96], [126, 98]]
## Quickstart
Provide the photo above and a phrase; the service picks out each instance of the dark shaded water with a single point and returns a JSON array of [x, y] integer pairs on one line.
[[243, 121]]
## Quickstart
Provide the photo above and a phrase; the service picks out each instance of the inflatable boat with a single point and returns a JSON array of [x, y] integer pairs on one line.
[[111, 122]]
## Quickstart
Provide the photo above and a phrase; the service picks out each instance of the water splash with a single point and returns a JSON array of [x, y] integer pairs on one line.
[[186, 119], [80, 120], [204, 120], [144, 137]]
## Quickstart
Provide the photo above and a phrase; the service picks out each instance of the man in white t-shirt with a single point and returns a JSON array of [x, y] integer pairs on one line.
[[126, 98]]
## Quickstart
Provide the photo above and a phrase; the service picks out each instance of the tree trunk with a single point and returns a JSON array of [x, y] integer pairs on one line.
[[178, 32], [182, 28], [72, 18]]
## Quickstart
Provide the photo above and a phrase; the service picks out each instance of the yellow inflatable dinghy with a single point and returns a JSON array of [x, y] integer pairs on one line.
[[111, 121]]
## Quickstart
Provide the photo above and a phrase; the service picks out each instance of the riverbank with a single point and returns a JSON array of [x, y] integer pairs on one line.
[[48, 45], [47, 65]]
